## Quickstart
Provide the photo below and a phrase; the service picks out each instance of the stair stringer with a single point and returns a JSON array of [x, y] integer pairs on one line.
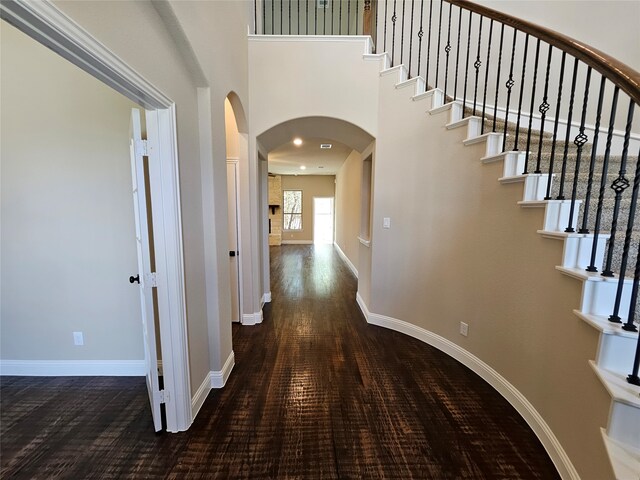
[[565, 446]]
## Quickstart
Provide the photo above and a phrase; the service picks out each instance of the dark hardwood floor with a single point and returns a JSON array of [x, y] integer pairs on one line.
[[316, 393]]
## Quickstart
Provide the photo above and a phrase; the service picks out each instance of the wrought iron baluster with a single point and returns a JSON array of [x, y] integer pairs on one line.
[[315, 19], [579, 141], [466, 66], [411, 38], [447, 50], [477, 64], [543, 109], [510, 83], [420, 35], [264, 17], [384, 38], [333, 20], [619, 185], [615, 316], [289, 17], [603, 181], [533, 100], [298, 17], [393, 32], [633, 377], [592, 163], [486, 77], [495, 104], [404, 3], [357, 16], [255, 17], [340, 20], [572, 95], [438, 47], [273, 6], [281, 16], [429, 42], [555, 124], [324, 19], [524, 68], [306, 16], [348, 17], [455, 82]]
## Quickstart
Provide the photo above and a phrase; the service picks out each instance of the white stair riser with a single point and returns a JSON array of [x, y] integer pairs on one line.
[[616, 353], [513, 164], [556, 215], [437, 99], [577, 251], [535, 187], [598, 298], [473, 127], [493, 145], [624, 423], [455, 114]]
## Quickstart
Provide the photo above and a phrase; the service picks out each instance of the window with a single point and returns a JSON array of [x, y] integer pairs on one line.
[[292, 210]]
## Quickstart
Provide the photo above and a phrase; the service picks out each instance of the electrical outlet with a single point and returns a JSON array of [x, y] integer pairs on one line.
[[78, 338], [464, 329]]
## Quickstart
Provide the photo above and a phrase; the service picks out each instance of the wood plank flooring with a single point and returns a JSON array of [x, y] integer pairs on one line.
[[316, 393]]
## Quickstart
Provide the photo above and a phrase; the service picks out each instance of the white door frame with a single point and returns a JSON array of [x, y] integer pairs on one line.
[[45, 23], [235, 162], [333, 217]]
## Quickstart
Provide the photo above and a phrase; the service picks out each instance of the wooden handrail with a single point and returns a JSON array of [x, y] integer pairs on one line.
[[617, 72]]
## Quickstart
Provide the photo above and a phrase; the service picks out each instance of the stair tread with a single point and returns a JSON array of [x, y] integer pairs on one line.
[[617, 386], [624, 459], [600, 322]]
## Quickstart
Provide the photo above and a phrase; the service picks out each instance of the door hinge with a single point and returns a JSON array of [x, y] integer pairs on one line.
[[142, 148], [152, 279], [163, 395]]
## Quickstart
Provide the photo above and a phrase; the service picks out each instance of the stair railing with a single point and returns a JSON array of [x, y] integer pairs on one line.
[[565, 106]]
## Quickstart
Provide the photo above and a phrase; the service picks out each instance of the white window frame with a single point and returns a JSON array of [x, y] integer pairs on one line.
[[293, 213]]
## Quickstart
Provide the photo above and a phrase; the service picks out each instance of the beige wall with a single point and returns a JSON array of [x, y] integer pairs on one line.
[[311, 186], [68, 233], [275, 215], [348, 187]]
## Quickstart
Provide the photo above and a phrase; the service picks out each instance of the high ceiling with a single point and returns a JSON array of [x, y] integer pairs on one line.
[[286, 158]]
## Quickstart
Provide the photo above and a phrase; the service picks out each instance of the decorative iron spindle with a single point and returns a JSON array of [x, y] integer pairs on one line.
[[420, 35], [592, 163], [404, 3], [510, 83], [447, 50], [603, 180], [619, 185], [533, 100], [324, 19], [289, 17], [455, 82], [411, 38], [428, 66], [357, 16], [393, 32], [633, 377], [349, 17], [495, 104], [333, 21], [615, 316], [524, 70], [281, 16], [543, 109], [306, 17], [555, 125], [438, 47], [486, 77], [466, 65], [579, 142], [477, 64], [384, 37], [340, 21], [572, 95], [298, 16], [255, 17], [273, 16], [315, 19]]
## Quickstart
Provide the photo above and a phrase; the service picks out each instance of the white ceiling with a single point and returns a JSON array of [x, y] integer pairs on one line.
[[285, 158]]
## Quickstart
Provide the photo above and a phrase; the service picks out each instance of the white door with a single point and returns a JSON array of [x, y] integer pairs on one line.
[[234, 263], [322, 220], [145, 278]]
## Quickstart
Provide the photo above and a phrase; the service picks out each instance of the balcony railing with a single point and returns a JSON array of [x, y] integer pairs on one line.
[[566, 106]]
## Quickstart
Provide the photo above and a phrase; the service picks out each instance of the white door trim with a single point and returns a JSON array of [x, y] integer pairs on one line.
[[45, 23], [235, 161]]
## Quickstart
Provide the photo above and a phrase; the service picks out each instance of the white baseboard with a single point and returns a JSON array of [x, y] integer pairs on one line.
[[74, 368], [214, 379], [266, 298], [219, 378], [346, 260], [252, 318], [497, 381], [200, 396], [297, 242]]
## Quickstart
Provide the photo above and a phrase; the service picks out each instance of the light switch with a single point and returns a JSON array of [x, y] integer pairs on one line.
[[386, 222]]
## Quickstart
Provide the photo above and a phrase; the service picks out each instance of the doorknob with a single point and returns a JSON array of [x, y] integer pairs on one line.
[[134, 279], [232, 253]]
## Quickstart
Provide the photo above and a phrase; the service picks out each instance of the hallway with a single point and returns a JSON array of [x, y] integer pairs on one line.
[[315, 393]]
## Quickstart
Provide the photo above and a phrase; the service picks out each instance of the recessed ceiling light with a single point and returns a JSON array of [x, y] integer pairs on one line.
[[302, 167], [297, 141], [325, 145]]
